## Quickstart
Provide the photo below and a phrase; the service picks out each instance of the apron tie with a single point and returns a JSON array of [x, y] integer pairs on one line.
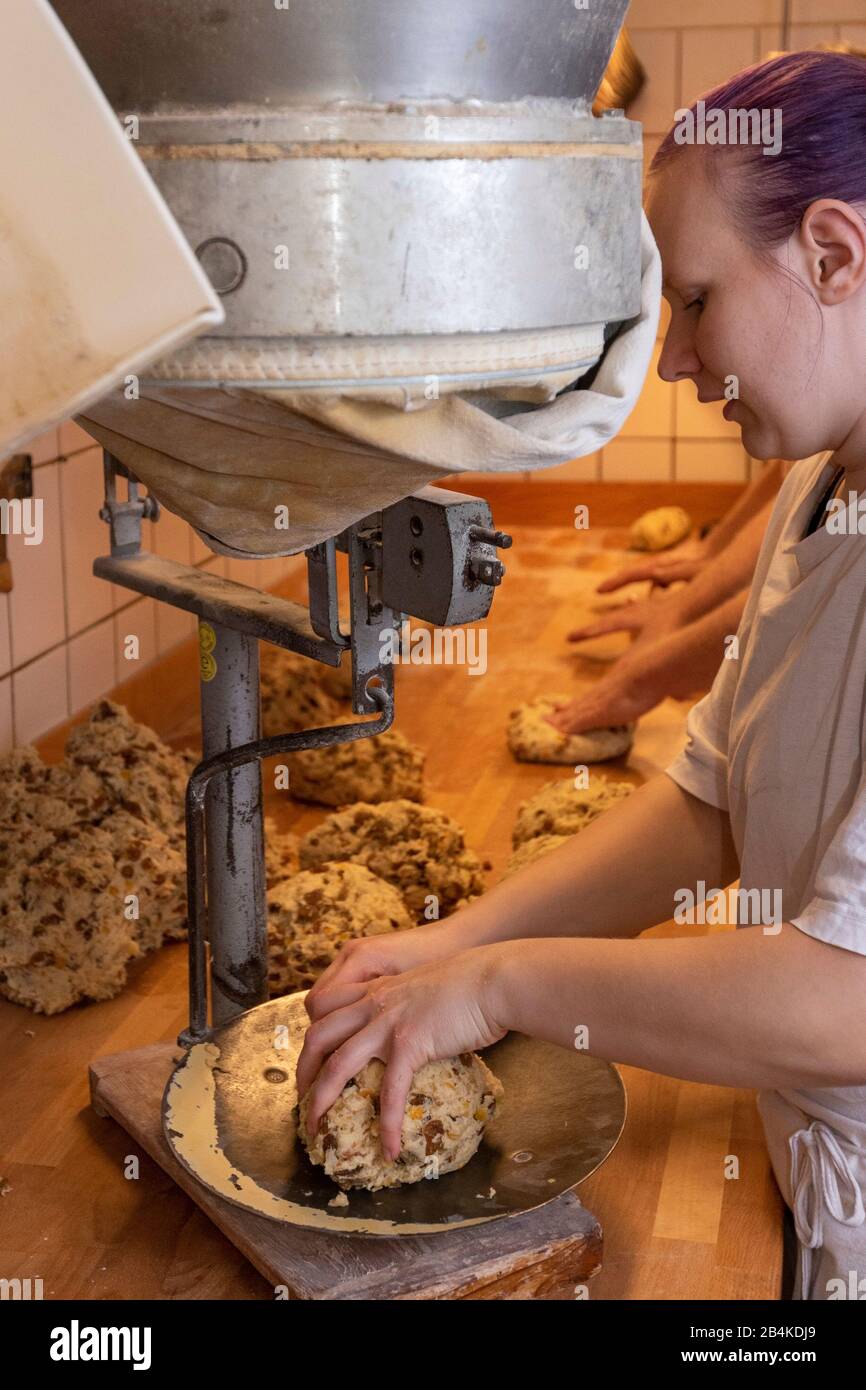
[[821, 1180]]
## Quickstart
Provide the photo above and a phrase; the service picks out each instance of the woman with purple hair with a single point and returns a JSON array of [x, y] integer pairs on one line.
[[764, 253]]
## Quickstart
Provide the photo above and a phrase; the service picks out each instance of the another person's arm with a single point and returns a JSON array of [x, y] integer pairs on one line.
[[677, 664], [725, 574], [686, 560]]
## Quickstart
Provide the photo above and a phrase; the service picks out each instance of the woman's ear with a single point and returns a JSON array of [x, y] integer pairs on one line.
[[832, 237]]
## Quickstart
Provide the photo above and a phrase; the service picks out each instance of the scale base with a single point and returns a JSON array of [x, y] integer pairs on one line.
[[542, 1254]]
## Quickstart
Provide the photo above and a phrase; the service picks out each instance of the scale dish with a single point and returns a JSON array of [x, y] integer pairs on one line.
[[229, 1116]]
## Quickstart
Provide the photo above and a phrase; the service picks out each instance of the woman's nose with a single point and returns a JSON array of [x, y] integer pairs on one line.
[[678, 358]]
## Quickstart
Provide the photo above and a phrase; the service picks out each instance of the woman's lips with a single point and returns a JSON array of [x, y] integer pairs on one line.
[[728, 411]]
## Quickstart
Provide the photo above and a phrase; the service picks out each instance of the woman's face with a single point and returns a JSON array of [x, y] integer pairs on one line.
[[732, 315]]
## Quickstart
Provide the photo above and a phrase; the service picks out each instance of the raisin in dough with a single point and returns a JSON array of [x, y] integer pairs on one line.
[[560, 808], [313, 914], [660, 529], [532, 740], [448, 1108], [384, 768], [419, 850]]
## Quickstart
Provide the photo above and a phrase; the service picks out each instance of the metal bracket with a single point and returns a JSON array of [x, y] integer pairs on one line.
[[125, 518]]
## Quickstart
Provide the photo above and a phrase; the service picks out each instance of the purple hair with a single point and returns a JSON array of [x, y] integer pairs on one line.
[[822, 98]]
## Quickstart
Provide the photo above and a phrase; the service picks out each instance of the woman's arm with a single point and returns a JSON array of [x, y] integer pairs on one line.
[[759, 493], [741, 1008], [749, 1007], [617, 877]]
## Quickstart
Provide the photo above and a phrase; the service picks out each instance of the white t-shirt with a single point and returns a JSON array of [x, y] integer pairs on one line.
[[780, 744]]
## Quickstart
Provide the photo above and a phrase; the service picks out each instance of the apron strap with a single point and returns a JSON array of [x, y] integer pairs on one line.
[[821, 1181]]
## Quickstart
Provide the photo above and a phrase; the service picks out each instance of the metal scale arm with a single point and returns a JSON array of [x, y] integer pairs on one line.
[[432, 556]]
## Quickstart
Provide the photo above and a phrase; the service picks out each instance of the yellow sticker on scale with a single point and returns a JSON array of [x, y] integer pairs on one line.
[[206, 642]]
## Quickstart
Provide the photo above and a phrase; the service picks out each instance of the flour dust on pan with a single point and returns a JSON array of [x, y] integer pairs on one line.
[[229, 1114]]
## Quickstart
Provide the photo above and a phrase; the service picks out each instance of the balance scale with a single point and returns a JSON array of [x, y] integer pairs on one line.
[[217, 1111]]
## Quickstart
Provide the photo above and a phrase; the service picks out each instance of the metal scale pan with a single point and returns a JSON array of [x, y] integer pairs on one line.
[[229, 1115]]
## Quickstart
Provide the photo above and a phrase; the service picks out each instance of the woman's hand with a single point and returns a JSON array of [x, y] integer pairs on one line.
[[434, 1011], [392, 953]]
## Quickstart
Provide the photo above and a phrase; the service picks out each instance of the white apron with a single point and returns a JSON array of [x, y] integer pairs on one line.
[[780, 743]]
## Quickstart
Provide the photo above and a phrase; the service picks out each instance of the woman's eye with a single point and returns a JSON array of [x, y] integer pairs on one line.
[[699, 302]]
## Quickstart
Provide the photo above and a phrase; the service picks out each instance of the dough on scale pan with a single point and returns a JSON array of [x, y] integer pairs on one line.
[[532, 740], [447, 1110]]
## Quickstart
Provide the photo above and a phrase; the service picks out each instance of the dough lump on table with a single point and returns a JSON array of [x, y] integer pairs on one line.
[[383, 768], [419, 850], [532, 740], [560, 808], [294, 696], [660, 529], [313, 914], [449, 1105]]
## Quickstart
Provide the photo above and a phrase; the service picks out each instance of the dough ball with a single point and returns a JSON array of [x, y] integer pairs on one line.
[[139, 773], [660, 529], [532, 740], [64, 936], [384, 768], [560, 808], [449, 1106], [419, 850], [531, 850], [293, 697], [313, 914], [281, 854]]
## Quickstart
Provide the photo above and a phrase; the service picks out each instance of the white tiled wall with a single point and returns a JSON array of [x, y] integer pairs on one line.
[[64, 635], [686, 47]]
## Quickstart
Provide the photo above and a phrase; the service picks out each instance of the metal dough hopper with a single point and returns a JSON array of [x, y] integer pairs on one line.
[[385, 194]]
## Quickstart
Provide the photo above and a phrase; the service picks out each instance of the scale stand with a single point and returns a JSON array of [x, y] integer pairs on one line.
[[433, 556]]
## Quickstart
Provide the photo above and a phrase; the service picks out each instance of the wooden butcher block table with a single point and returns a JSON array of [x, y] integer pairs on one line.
[[674, 1226]]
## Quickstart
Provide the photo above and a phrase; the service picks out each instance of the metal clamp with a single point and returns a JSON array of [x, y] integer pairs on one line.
[[125, 518]]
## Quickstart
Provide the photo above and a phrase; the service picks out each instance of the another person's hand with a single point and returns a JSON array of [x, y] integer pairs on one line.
[[647, 618], [640, 680], [683, 562], [434, 1011]]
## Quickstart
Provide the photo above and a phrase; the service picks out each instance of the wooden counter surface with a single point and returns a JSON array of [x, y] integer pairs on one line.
[[675, 1227]]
